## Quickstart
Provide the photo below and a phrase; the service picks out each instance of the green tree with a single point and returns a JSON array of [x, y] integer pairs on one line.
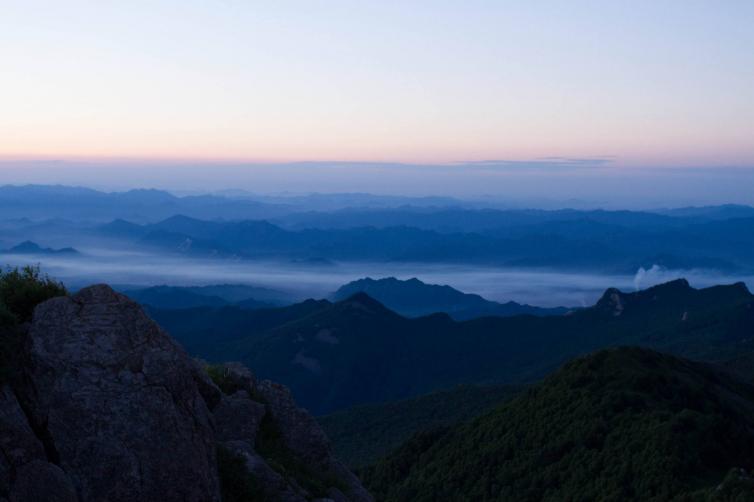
[[22, 289]]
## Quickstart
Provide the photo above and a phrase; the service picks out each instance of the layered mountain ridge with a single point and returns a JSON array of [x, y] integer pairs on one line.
[[335, 355]]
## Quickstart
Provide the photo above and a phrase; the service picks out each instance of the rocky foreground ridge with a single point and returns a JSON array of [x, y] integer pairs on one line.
[[108, 407]]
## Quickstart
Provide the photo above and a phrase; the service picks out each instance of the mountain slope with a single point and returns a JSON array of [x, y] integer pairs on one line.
[[169, 297], [414, 298], [210, 332], [362, 434], [186, 297], [622, 424]]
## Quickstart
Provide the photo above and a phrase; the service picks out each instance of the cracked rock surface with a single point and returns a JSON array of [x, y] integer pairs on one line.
[[109, 407]]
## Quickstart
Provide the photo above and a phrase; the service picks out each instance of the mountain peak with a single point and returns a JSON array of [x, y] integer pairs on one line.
[[679, 284], [180, 218], [363, 301], [676, 295], [32, 248], [26, 246], [415, 298], [611, 295]]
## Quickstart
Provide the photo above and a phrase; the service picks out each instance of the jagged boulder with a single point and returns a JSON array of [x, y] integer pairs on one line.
[[117, 402], [18, 444], [260, 422], [25, 473], [108, 407], [238, 417], [271, 483], [41, 480], [307, 441]]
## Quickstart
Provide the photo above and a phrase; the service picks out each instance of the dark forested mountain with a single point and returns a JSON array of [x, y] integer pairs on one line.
[[335, 355], [622, 424], [413, 298], [362, 434], [170, 297], [208, 332]]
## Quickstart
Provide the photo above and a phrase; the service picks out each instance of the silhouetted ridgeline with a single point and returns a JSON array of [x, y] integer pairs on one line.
[[413, 298], [336, 355]]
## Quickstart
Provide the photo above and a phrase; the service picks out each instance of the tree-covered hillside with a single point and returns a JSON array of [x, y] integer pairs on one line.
[[362, 434], [622, 424]]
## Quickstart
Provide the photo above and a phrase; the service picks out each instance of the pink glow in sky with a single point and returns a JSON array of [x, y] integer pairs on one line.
[[643, 83]]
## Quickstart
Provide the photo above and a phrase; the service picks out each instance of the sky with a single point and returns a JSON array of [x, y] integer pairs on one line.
[[597, 90]]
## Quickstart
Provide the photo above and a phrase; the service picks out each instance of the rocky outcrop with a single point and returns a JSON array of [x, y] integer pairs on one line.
[[260, 418], [117, 402], [25, 473], [108, 407], [306, 439]]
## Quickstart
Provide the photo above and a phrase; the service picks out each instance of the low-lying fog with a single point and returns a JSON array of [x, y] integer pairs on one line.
[[536, 287]]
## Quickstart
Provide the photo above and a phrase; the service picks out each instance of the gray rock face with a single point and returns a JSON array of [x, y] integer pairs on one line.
[[119, 401], [108, 407], [18, 444], [25, 473], [237, 417], [302, 434], [40, 480], [271, 482], [306, 439]]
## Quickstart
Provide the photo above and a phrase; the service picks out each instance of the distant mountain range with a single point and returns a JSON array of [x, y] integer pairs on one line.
[[150, 205], [574, 244], [335, 355], [414, 298], [309, 231], [622, 424], [79, 203], [32, 248], [219, 295]]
